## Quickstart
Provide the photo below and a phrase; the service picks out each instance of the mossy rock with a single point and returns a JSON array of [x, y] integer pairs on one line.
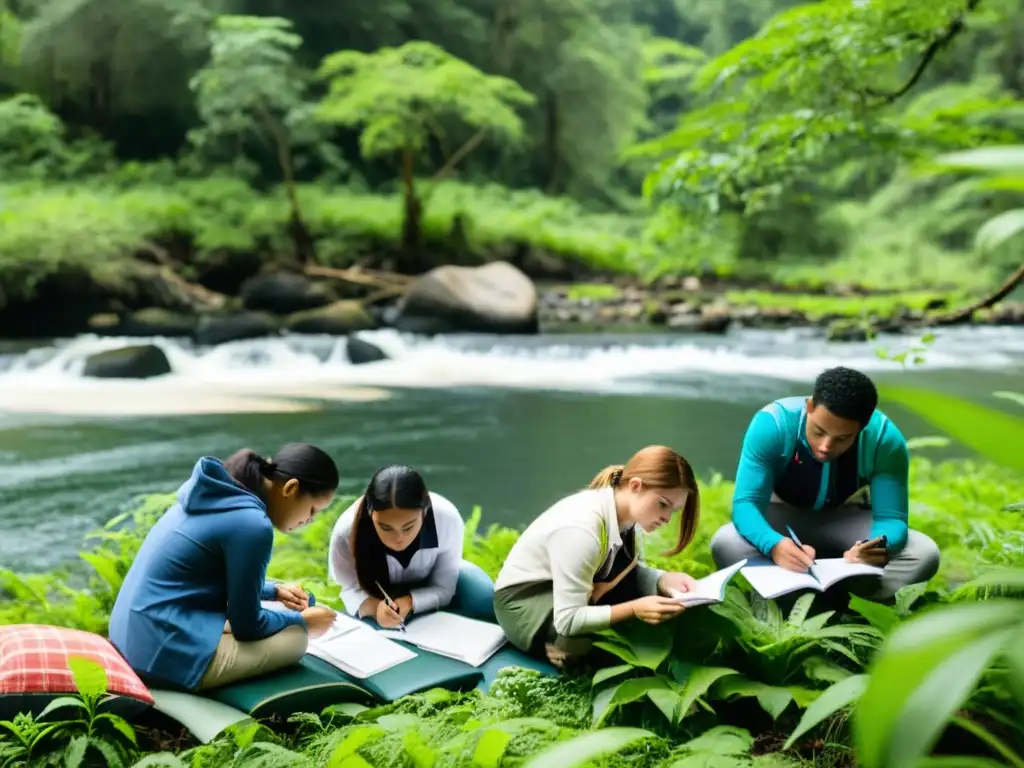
[[336, 319]]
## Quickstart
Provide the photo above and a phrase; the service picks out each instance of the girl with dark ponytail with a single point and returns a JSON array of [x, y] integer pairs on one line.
[[189, 613], [403, 542]]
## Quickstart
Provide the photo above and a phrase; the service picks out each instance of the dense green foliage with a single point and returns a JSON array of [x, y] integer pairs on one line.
[[797, 126], [747, 683]]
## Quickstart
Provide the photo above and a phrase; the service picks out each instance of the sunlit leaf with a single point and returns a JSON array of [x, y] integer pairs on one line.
[[999, 229], [993, 434], [833, 699], [581, 749], [985, 159], [922, 674]]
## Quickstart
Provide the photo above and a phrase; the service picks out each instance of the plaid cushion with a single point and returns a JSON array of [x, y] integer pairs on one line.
[[34, 659]]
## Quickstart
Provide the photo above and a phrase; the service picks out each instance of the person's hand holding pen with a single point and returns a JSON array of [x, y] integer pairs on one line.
[[793, 555], [388, 611]]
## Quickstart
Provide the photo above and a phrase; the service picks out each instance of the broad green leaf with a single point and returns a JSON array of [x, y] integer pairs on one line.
[[648, 646], [668, 702], [773, 699], [998, 577], [606, 674], [879, 616], [721, 740], [90, 677], [491, 748], [999, 229], [1000, 159], [1016, 397], [581, 749], [993, 434], [1015, 662], [62, 702], [75, 752], [832, 699], [353, 742], [624, 693], [923, 672], [697, 682]]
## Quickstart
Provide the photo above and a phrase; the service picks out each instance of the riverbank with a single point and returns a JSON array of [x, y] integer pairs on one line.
[[212, 260]]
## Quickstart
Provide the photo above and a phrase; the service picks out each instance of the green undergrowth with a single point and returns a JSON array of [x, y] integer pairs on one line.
[[721, 686], [817, 307], [100, 224]]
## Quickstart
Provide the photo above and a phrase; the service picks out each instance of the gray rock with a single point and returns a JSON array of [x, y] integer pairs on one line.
[[236, 326], [493, 298], [282, 293], [139, 362], [336, 319]]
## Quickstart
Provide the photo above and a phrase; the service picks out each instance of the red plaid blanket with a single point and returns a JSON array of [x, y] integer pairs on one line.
[[34, 659]]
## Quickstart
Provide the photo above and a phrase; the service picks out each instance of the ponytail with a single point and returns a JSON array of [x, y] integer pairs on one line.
[[610, 476], [249, 470]]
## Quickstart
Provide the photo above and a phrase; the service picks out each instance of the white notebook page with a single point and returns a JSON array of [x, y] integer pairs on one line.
[[449, 634]]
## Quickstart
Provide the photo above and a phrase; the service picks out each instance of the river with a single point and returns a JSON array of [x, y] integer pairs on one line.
[[506, 423]]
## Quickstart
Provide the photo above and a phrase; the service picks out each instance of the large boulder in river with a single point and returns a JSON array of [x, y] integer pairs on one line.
[[493, 298], [282, 293], [139, 362], [236, 326], [336, 319]]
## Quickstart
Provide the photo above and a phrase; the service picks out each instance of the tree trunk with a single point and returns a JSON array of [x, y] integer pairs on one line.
[[964, 315], [305, 245], [411, 214], [551, 127]]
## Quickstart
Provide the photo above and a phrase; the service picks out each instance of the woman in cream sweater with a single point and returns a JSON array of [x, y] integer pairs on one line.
[[577, 569]]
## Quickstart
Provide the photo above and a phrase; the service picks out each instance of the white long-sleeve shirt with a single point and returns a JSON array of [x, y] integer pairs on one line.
[[572, 544], [435, 565]]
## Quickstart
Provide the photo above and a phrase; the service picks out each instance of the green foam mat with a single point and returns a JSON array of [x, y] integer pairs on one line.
[[308, 686]]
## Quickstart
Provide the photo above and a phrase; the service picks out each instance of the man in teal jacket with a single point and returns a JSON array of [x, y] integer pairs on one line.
[[806, 463]]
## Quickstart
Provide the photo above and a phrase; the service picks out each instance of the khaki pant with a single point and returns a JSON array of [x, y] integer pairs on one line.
[[831, 533], [234, 660]]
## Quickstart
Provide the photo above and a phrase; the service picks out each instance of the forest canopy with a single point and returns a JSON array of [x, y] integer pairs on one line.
[[766, 132]]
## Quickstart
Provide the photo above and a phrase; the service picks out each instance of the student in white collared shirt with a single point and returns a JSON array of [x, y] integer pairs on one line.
[[407, 540], [576, 569]]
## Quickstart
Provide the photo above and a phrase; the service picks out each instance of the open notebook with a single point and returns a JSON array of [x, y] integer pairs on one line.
[[771, 581], [710, 589], [447, 634], [357, 649]]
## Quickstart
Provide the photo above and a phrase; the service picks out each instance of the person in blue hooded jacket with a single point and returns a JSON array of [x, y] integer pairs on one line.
[[833, 469], [189, 613]]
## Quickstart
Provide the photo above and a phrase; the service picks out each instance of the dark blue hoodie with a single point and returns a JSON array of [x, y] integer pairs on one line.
[[203, 562]]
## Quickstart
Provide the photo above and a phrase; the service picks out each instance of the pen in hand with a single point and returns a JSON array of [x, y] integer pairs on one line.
[[392, 605], [796, 540]]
